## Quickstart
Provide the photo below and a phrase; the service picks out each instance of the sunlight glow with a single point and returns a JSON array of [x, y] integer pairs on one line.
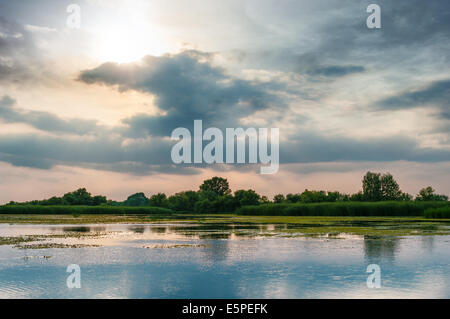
[[126, 42]]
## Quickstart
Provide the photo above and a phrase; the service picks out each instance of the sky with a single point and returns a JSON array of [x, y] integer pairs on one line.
[[94, 106]]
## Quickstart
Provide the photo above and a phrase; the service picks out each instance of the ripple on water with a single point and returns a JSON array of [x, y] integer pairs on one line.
[[183, 261]]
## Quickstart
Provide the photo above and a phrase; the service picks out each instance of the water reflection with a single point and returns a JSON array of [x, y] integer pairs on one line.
[[137, 229], [380, 249], [79, 229], [427, 242], [158, 230], [220, 261], [215, 251]]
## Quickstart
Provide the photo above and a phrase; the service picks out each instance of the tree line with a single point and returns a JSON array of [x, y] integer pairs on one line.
[[215, 195]]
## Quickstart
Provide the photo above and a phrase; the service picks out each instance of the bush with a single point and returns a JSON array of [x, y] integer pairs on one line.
[[204, 206], [78, 210], [136, 200], [343, 209], [443, 212]]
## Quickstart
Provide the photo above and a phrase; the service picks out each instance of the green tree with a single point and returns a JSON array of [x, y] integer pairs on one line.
[[293, 198], [79, 197], [138, 199], [406, 197], [53, 201], [372, 186], [98, 200], [357, 197], [313, 196], [184, 201], [279, 198], [336, 197], [225, 204], [247, 197], [203, 206], [113, 203], [389, 188], [158, 200], [207, 194], [218, 185], [264, 200], [428, 194]]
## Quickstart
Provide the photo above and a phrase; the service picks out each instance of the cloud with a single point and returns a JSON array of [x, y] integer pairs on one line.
[[310, 147], [415, 22], [187, 87], [445, 114], [17, 50], [152, 155], [106, 153], [435, 94], [45, 121], [336, 70], [303, 40], [324, 33]]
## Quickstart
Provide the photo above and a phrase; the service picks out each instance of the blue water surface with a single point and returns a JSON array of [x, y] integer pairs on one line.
[[144, 261]]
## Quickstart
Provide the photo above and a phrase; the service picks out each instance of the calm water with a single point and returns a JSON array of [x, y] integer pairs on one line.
[[147, 261]]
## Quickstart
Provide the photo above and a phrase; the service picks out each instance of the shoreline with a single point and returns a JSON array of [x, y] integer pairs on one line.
[[302, 225]]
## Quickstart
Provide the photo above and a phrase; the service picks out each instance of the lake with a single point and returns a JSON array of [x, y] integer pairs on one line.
[[188, 260]]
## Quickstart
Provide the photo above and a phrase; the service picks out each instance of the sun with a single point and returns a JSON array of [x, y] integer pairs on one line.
[[127, 42]]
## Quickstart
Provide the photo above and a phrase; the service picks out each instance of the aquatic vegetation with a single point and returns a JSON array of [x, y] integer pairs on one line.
[[53, 245], [161, 246], [31, 257], [16, 240], [394, 208], [37, 241], [81, 220], [442, 212], [241, 226], [76, 211]]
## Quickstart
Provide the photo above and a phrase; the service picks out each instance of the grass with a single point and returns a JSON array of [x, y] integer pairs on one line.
[[15, 240], [290, 220], [205, 219], [442, 212], [80, 210], [53, 245], [240, 225], [366, 209], [81, 219], [37, 241], [168, 246]]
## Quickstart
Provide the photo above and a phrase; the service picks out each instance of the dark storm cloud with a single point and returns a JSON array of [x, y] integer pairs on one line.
[[436, 94], [415, 21], [187, 87], [45, 121], [311, 148], [14, 39], [336, 70], [446, 114], [337, 35], [17, 52], [152, 155], [104, 153], [36, 12]]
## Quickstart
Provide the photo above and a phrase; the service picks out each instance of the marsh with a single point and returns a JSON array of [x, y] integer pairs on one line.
[[225, 257]]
